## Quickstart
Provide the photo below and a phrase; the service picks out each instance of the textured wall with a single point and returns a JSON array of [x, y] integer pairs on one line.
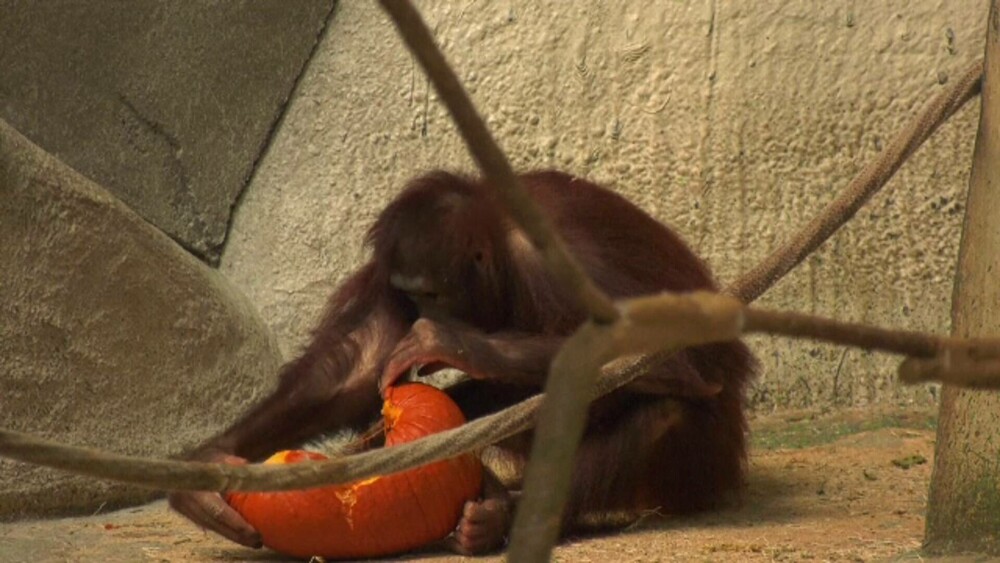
[[111, 335], [729, 120], [166, 104]]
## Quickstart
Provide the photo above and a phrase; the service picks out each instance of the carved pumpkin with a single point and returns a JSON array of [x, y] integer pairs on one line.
[[377, 516]]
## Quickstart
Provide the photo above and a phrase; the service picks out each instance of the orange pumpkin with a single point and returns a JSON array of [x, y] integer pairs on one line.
[[377, 516]]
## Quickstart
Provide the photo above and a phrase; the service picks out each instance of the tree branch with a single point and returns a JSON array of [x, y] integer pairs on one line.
[[952, 368], [663, 321]]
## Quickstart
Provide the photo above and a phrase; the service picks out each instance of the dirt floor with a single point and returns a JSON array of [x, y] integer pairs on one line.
[[848, 486]]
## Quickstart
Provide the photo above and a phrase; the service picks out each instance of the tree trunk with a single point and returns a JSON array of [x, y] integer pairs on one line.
[[964, 504]]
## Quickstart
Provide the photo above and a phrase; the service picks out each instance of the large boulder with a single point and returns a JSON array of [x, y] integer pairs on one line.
[[111, 335]]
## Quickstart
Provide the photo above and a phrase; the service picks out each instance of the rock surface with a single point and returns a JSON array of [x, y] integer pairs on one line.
[[112, 335], [166, 104]]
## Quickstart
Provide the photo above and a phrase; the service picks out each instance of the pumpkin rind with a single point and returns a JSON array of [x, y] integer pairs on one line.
[[378, 516]]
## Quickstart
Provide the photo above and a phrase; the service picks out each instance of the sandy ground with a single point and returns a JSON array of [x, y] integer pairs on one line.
[[849, 486]]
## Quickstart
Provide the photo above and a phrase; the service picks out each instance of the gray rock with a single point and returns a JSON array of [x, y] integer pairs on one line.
[[167, 104], [111, 335]]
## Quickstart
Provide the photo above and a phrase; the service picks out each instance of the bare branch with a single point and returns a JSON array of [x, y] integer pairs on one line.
[[494, 163], [875, 175], [706, 317], [622, 338], [953, 368], [668, 320], [797, 325]]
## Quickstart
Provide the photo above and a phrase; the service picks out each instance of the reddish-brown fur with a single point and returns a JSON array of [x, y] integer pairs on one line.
[[674, 439]]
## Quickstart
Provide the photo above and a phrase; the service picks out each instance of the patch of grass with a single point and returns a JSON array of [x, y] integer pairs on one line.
[[819, 429]]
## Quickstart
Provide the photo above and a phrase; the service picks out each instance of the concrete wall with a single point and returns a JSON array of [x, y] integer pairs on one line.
[[732, 121], [111, 335], [166, 104]]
